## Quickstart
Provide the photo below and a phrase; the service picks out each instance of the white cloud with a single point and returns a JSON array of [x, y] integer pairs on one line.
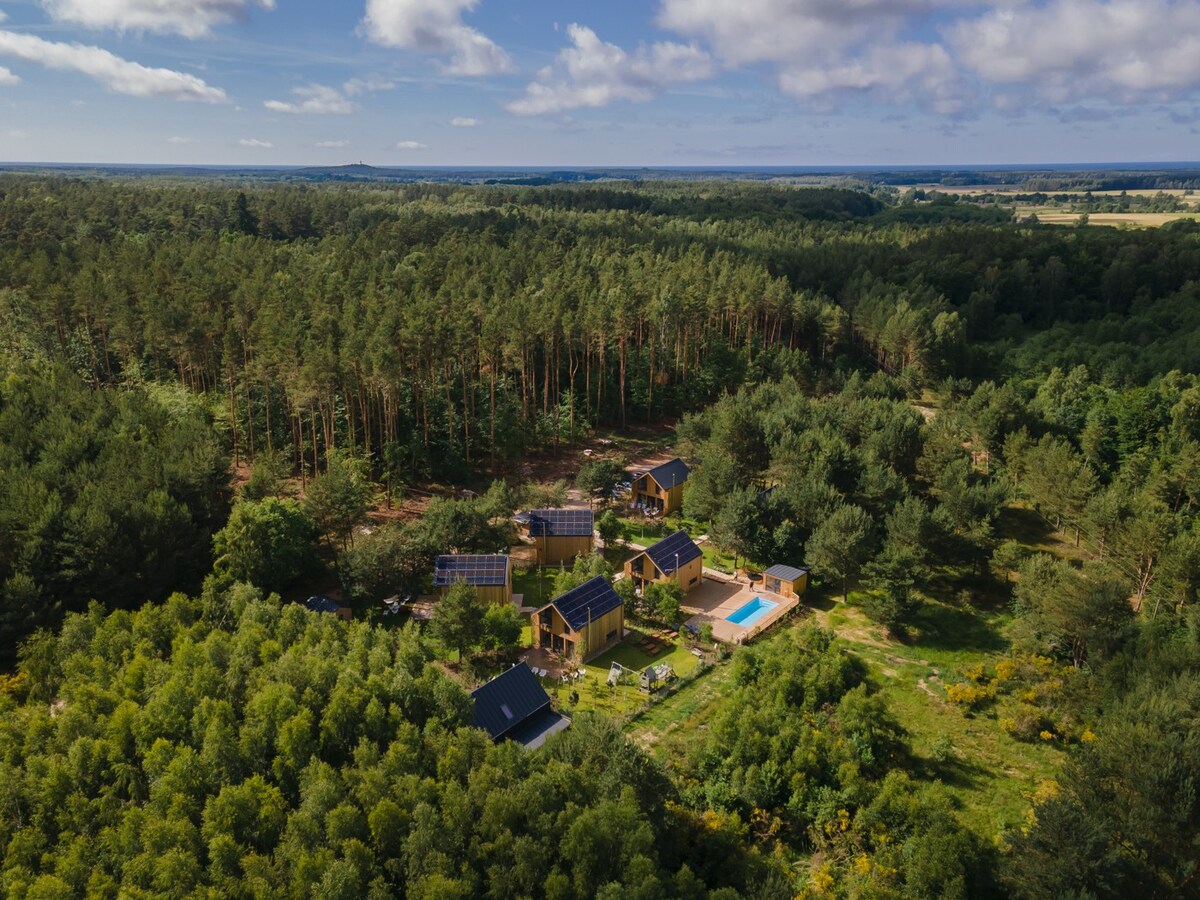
[[316, 100], [18, 135], [332, 145], [117, 74], [1067, 50], [464, 122], [255, 143], [179, 141], [189, 18], [3, 15], [435, 26], [823, 48], [411, 145], [356, 86], [593, 73], [7, 78]]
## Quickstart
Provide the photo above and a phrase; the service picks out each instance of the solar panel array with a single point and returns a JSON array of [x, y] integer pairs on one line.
[[561, 522], [589, 601], [508, 700], [673, 552], [475, 570]]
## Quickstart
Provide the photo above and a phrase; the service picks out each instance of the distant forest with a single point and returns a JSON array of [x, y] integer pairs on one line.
[[983, 434]]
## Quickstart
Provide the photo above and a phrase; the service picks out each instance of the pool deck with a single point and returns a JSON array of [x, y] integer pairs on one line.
[[716, 599]]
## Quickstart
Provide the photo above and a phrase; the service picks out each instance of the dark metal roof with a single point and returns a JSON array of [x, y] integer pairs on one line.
[[534, 730], [321, 603], [673, 552], [670, 474], [475, 570], [561, 523], [589, 601], [508, 701], [786, 573]]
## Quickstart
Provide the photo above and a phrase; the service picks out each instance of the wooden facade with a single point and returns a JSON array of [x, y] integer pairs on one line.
[[555, 549], [662, 487], [786, 581], [552, 632], [643, 571]]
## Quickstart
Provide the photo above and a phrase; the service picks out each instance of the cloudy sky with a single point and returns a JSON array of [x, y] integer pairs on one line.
[[584, 82]]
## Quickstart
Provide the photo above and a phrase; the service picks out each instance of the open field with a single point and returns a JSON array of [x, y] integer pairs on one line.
[[1056, 216]]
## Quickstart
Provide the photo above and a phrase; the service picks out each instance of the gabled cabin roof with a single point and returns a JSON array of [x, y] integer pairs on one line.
[[561, 522], [786, 573], [510, 703], [588, 602], [669, 474], [673, 552], [477, 570]]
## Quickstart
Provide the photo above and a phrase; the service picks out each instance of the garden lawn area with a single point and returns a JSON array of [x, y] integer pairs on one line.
[[646, 532], [537, 585], [595, 695]]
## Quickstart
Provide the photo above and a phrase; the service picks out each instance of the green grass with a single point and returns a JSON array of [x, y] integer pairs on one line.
[[646, 531], [536, 584], [595, 695], [989, 773]]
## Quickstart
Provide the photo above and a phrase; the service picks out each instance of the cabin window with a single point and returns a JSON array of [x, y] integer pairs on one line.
[[695, 578], [611, 636]]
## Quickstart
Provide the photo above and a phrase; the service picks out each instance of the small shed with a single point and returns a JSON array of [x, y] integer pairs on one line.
[[582, 622], [322, 603], [514, 706], [675, 558], [489, 574], [560, 535], [787, 581], [661, 488]]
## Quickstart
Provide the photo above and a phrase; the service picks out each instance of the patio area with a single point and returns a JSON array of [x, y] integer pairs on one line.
[[715, 601]]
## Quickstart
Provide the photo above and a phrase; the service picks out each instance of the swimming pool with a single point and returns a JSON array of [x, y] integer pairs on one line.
[[751, 612]]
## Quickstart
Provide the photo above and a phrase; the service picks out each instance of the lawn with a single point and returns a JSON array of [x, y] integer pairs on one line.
[[536, 584], [596, 695], [637, 530]]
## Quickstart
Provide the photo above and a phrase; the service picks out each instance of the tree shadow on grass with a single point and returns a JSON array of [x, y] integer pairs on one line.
[[946, 628]]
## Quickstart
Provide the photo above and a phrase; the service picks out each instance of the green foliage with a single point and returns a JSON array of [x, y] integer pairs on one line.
[[337, 499], [502, 626], [598, 477], [584, 568], [841, 544], [459, 617], [392, 560], [609, 527], [270, 544], [662, 600], [296, 755], [103, 494]]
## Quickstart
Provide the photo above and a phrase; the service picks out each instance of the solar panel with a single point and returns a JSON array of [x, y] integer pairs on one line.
[[561, 522], [589, 601], [674, 551], [474, 569]]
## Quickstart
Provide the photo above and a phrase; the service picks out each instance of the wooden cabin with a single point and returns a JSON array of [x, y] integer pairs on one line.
[[322, 603], [582, 622], [787, 581], [490, 575], [514, 706], [560, 535], [675, 558], [662, 487]]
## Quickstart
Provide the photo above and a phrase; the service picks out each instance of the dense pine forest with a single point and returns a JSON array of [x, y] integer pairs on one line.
[[982, 434]]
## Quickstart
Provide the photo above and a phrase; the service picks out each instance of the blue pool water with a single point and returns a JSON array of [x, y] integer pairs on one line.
[[751, 612]]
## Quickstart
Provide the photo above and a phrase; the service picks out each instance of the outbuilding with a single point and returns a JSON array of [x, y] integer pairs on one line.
[[787, 581]]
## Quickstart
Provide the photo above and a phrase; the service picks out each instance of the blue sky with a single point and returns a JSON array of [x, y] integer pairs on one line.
[[655, 82]]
